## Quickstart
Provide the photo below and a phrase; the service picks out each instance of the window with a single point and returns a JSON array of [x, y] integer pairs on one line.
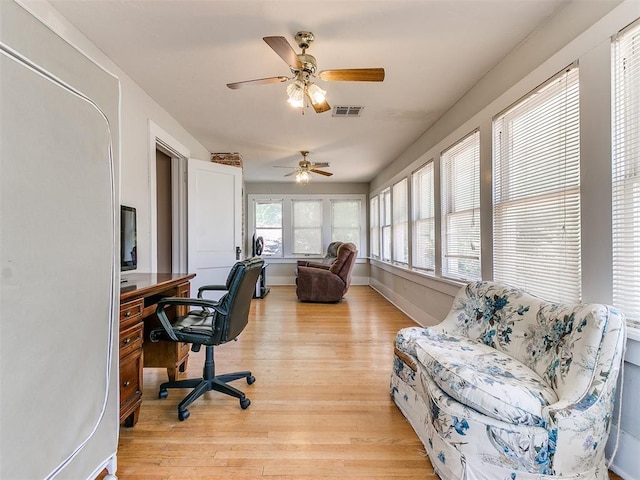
[[374, 226], [307, 227], [424, 251], [296, 225], [400, 219], [385, 223], [537, 191], [461, 209], [345, 221], [626, 174], [268, 215]]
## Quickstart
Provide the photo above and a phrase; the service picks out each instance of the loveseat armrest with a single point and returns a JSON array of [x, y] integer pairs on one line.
[[580, 421]]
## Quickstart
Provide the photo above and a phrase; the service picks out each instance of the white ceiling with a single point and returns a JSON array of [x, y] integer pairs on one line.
[[184, 52]]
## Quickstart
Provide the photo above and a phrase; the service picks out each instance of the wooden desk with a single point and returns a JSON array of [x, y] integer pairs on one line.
[[139, 296]]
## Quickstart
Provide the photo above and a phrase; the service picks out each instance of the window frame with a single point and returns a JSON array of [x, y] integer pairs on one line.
[[536, 206], [281, 228], [625, 173], [417, 217], [448, 211], [315, 229], [400, 225], [333, 202], [374, 226], [386, 228]]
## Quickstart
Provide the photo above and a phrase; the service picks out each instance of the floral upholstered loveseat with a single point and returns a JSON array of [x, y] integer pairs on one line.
[[510, 387]]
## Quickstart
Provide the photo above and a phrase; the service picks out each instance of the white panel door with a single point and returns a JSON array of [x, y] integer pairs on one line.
[[214, 199]]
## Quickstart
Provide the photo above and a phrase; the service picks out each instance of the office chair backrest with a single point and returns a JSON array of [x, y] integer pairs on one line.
[[237, 301], [232, 274]]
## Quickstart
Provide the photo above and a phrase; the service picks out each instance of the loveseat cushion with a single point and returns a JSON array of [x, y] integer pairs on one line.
[[485, 379]]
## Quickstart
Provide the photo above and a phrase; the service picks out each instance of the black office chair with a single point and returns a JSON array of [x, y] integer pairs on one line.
[[214, 323]]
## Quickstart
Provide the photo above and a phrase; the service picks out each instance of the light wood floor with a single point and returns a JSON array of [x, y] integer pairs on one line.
[[320, 407]]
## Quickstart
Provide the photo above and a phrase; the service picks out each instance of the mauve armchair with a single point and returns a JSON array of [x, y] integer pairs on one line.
[[326, 283]]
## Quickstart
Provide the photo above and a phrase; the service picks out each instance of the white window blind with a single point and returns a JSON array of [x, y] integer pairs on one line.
[[345, 221], [400, 222], [424, 252], [460, 187], [536, 217], [268, 215], [385, 223], [626, 174], [307, 227], [374, 227]]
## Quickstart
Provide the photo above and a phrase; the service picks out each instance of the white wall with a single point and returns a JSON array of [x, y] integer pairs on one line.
[[582, 32], [138, 110]]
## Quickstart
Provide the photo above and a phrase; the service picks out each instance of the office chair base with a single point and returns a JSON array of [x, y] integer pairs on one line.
[[209, 381]]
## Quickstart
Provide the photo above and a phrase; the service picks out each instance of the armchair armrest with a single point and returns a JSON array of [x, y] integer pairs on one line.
[[319, 284], [306, 263]]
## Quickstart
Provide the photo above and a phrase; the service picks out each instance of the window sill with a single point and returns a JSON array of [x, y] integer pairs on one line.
[[633, 334], [312, 258], [441, 284], [632, 352]]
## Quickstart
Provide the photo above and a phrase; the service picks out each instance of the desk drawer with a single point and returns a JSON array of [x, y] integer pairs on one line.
[[130, 379], [183, 350], [131, 312], [130, 340]]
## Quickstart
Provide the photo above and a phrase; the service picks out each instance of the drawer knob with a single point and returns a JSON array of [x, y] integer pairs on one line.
[[127, 341], [127, 314], [126, 383]]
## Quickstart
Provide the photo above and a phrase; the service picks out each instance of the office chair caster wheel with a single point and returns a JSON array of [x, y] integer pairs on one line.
[[244, 403], [183, 415], [251, 379], [163, 393]]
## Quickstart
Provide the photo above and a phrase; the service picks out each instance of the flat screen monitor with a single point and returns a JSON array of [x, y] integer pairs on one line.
[[128, 239]]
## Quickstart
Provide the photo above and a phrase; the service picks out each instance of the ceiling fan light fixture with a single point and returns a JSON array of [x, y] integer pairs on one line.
[[303, 177], [316, 94], [295, 92]]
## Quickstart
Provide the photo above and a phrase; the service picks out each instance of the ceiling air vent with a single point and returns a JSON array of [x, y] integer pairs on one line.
[[347, 111]]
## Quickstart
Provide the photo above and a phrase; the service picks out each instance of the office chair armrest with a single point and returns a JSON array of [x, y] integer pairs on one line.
[[206, 288], [195, 302], [181, 301]]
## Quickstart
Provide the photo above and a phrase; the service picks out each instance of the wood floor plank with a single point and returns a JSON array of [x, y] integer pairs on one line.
[[320, 407]]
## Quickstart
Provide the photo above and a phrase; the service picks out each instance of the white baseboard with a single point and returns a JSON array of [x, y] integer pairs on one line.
[[403, 305], [627, 461], [273, 281]]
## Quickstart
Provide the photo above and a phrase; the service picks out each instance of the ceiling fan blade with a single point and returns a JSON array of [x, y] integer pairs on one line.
[[321, 107], [319, 165], [318, 107], [353, 75], [259, 81], [321, 172], [284, 50], [291, 173]]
